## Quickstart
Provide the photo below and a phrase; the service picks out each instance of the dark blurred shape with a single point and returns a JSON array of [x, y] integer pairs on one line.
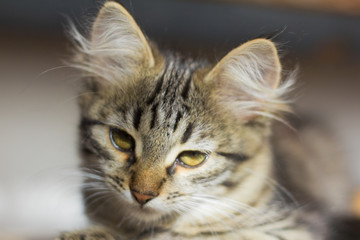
[[40, 14], [345, 228], [193, 25]]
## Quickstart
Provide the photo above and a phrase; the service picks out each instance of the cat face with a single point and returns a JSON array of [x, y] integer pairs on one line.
[[163, 133], [164, 142]]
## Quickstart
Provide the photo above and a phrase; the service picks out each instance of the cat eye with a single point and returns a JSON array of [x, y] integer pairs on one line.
[[121, 140], [192, 158]]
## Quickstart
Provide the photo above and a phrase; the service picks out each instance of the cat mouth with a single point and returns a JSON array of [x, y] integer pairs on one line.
[[146, 213], [144, 208], [148, 210]]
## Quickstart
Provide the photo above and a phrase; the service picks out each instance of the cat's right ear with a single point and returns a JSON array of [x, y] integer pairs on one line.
[[246, 82], [117, 48]]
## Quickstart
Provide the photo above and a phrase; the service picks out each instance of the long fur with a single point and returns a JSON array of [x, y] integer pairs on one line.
[[174, 107]]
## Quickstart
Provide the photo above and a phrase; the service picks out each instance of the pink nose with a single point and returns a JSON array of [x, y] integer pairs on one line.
[[142, 198]]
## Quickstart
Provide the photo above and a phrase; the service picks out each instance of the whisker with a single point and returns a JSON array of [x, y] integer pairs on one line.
[[38, 77], [237, 207], [51, 69]]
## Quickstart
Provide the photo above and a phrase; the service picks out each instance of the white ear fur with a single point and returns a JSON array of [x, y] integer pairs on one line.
[[247, 80], [117, 47]]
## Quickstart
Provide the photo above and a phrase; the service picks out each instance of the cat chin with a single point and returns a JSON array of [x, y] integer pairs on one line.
[[146, 214]]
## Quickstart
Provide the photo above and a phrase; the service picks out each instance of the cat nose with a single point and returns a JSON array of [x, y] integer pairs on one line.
[[142, 198]]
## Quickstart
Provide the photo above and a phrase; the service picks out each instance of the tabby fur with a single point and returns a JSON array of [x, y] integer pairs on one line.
[[170, 104]]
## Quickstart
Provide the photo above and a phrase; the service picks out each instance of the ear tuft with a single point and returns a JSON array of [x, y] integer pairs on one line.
[[117, 48], [247, 81]]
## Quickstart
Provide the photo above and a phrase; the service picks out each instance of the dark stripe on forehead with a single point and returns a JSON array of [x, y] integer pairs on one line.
[[187, 108], [86, 122], [173, 76], [168, 85], [187, 133], [234, 156], [178, 117], [154, 115], [185, 91], [156, 91], [121, 110], [137, 118]]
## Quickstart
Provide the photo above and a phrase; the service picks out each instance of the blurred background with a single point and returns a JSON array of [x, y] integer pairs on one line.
[[38, 111]]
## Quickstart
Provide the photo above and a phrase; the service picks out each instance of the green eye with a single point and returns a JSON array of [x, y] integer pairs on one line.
[[121, 140], [192, 158]]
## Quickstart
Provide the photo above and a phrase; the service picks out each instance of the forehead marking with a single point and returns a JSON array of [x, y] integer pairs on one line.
[[169, 95], [153, 115], [156, 91], [187, 133], [137, 118], [178, 117], [185, 91]]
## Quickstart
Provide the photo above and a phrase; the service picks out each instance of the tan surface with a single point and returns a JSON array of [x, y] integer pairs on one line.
[[356, 204]]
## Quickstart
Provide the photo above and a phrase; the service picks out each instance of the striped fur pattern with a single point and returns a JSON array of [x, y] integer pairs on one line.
[[169, 104]]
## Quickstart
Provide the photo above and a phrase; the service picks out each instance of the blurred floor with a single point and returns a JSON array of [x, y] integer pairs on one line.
[[39, 117]]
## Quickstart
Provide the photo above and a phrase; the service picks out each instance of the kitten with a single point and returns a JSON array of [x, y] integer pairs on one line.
[[180, 149]]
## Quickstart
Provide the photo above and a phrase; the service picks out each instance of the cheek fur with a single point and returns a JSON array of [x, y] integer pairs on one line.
[[121, 156]]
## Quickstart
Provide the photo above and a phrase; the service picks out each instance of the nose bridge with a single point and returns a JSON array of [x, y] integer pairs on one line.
[[147, 179], [149, 172]]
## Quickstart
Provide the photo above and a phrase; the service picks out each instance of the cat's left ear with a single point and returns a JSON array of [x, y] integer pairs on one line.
[[117, 48], [247, 80]]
